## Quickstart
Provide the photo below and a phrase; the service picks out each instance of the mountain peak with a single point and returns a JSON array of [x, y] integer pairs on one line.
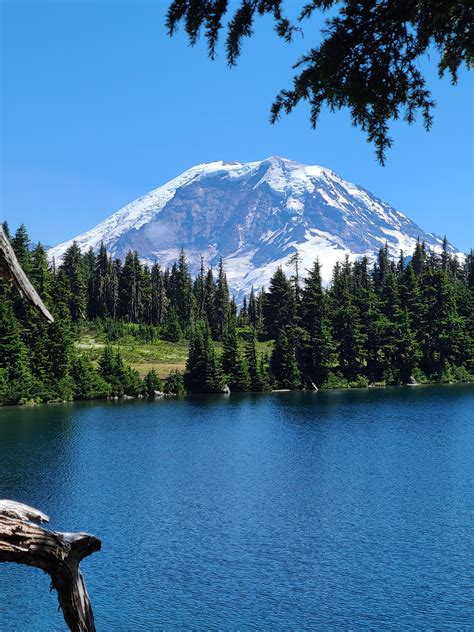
[[255, 215]]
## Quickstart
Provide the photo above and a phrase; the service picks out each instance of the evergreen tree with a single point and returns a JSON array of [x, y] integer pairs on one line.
[[279, 304], [21, 246], [171, 329], [87, 383], [257, 371], [233, 363], [152, 383], [419, 258], [317, 345], [17, 381], [202, 371], [40, 275], [221, 315], [129, 289], [98, 307], [283, 363], [73, 268], [174, 383], [159, 305], [346, 325]]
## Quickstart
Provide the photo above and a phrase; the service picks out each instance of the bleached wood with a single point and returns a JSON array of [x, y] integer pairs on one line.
[[11, 271], [23, 541]]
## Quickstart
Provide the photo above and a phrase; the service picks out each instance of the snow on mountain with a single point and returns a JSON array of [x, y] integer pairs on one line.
[[255, 215]]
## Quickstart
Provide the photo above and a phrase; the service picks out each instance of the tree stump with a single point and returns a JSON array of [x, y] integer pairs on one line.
[[23, 541]]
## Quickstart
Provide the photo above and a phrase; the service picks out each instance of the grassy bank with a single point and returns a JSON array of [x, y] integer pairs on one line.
[[161, 355]]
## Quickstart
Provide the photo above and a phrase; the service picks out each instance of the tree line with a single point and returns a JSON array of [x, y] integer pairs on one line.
[[390, 322]]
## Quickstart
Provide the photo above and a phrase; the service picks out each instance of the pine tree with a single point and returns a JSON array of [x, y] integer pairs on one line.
[[86, 381], [283, 363], [203, 374], [346, 324], [419, 258], [317, 345], [183, 292], [73, 268], [152, 383], [199, 293], [279, 304], [210, 298], [21, 246], [221, 304], [174, 383], [40, 275], [98, 307], [129, 290], [18, 383], [233, 363], [171, 329], [257, 372], [159, 304]]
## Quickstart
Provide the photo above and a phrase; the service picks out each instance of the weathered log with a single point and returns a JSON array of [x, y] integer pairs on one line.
[[23, 541], [12, 272]]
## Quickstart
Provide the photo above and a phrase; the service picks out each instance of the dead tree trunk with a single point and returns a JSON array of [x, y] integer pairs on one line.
[[12, 272], [22, 540]]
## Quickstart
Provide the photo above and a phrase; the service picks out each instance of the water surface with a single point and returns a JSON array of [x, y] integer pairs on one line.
[[335, 510]]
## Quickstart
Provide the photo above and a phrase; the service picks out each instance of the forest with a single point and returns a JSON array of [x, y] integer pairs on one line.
[[391, 322]]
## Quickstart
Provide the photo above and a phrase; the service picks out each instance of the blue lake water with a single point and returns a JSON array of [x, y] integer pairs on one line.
[[303, 511]]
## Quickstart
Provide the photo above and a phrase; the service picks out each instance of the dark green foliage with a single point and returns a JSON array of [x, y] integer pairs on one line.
[[234, 364], [17, 380], [130, 290], [347, 325], [174, 383], [366, 59], [152, 383], [123, 380], [283, 363], [413, 318], [87, 383], [203, 374], [74, 271], [257, 368], [317, 347], [171, 329], [222, 312], [279, 305]]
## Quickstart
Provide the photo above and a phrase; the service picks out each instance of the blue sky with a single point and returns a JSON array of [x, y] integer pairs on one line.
[[100, 106]]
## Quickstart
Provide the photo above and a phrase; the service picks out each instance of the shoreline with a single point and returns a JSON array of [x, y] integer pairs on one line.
[[172, 396]]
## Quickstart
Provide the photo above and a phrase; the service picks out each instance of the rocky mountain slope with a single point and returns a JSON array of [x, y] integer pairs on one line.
[[255, 215]]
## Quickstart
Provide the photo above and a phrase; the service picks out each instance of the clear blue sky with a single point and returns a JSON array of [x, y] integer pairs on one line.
[[100, 106]]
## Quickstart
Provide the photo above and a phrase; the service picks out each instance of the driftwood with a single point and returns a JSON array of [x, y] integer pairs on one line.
[[13, 273], [22, 540]]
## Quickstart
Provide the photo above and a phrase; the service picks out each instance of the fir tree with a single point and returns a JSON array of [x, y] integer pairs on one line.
[[171, 329], [87, 383], [283, 363], [233, 363], [256, 370], [73, 268], [152, 383], [174, 383], [202, 371], [317, 345], [279, 304], [220, 320]]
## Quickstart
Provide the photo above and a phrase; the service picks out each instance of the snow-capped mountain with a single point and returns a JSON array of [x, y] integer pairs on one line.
[[254, 215]]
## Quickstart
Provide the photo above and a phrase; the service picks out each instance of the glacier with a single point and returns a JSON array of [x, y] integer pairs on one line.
[[255, 215]]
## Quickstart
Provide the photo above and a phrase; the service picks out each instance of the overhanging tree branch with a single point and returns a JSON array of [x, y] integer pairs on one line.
[[367, 61]]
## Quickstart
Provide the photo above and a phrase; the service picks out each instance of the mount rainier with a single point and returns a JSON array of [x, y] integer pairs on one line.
[[255, 215]]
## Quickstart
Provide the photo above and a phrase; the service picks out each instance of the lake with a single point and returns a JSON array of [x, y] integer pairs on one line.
[[330, 510]]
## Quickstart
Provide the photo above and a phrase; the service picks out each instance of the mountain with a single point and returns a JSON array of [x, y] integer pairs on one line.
[[255, 215]]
